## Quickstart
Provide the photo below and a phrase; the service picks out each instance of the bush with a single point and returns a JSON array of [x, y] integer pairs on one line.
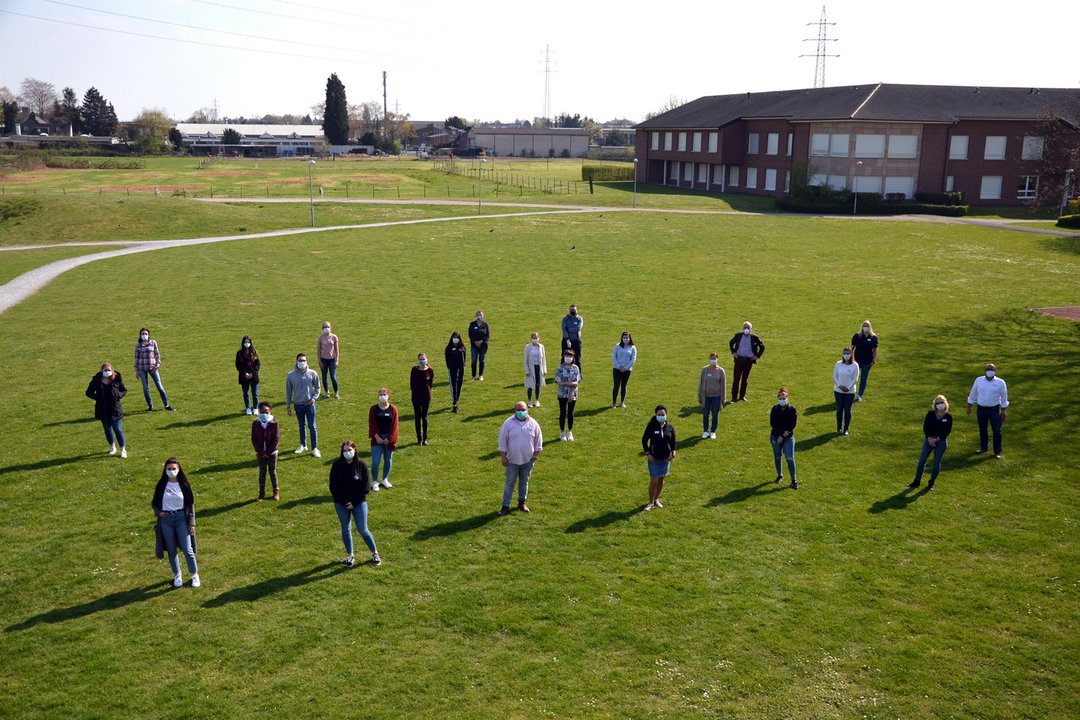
[[565, 153], [1072, 207], [607, 172], [943, 198], [867, 206], [1069, 221], [15, 208]]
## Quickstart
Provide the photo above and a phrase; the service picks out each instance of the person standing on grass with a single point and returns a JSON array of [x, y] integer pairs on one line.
[[383, 431], [567, 377], [520, 443], [265, 436], [147, 363], [174, 506], [421, 380], [247, 370], [455, 366], [865, 344], [658, 442], [349, 488], [712, 385], [107, 389], [535, 368], [623, 358], [782, 420], [572, 324], [991, 397], [845, 376], [329, 355], [936, 428], [301, 392], [479, 334], [746, 350]]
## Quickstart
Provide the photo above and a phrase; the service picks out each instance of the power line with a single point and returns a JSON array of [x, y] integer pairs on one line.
[[344, 12], [280, 15]]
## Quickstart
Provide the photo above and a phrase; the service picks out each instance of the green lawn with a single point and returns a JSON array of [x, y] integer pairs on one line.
[[850, 598]]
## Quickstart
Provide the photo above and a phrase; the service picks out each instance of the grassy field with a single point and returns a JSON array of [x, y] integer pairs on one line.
[[851, 598]]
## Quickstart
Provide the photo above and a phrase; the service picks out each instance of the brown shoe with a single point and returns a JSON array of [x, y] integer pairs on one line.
[[277, 496], [505, 510], [523, 507], [262, 496]]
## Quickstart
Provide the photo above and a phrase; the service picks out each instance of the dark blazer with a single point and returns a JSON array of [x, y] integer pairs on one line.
[[756, 346], [657, 440], [939, 427], [107, 397], [455, 355], [479, 330], [247, 364], [349, 482], [783, 419]]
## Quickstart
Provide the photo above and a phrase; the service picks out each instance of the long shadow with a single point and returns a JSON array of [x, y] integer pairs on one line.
[[72, 421], [745, 493], [47, 463], [310, 500], [817, 409], [210, 512], [201, 422], [489, 456], [690, 411], [225, 467], [494, 413], [259, 590], [603, 520], [109, 602], [588, 412], [805, 445], [899, 501], [454, 527]]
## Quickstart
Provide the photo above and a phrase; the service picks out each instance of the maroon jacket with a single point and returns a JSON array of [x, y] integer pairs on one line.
[[373, 425], [267, 438]]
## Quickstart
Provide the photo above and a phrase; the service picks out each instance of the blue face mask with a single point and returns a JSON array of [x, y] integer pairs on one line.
[[455, 340], [990, 374], [782, 401], [661, 419], [521, 414], [264, 417]]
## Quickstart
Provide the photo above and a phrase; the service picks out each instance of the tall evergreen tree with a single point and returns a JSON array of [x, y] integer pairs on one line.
[[69, 111], [99, 117], [336, 118], [11, 116]]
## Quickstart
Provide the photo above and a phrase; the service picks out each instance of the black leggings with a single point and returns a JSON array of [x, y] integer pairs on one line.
[[457, 376], [621, 377], [420, 412], [536, 383], [566, 413]]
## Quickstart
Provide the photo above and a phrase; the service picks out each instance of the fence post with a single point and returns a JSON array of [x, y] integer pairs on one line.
[[267, 192]]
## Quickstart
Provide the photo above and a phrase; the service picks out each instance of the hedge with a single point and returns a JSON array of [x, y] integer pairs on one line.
[[1069, 221], [607, 172], [831, 207], [940, 198]]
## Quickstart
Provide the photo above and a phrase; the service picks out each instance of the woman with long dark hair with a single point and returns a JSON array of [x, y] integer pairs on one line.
[[174, 506], [349, 484], [247, 369], [455, 366]]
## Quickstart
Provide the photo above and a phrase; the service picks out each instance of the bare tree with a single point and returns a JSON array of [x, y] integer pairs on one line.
[[6, 96], [317, 112], [672, 103], [38, 95]]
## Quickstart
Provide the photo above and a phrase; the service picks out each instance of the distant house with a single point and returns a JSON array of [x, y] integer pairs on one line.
[[29, 124], [255, 140], [891, 139], [531, 142]]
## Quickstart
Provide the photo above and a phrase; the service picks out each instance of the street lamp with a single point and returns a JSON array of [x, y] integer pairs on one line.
[[480, 208], [635, 182], [310, 191], [855, 208], [1066, 191]]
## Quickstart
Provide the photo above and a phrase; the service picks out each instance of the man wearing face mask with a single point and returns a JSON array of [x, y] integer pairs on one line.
[[520, 443], [991, 397], [572, 323], [301, 391], [479, 334], [746, 348]]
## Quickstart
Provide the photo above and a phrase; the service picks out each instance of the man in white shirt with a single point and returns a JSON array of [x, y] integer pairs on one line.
[[990, 396], [520, 443]]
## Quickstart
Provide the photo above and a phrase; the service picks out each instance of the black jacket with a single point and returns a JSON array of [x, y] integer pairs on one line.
[[479, 330], [756, 346], [933, 426], [349, 481], [107, 397], [455, 355], [246, 364], [189, 500], [783, 419], [658, 440]]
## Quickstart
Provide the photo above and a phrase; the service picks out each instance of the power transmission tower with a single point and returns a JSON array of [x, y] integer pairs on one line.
[[547, 84], [385, 114], [820, 55]]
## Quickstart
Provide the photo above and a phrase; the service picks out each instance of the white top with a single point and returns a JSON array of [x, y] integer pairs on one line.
[[989, 393], [624, 356], [846, 375], [173, 499]]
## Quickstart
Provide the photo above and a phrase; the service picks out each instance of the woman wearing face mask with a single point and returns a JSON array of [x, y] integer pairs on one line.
[[383, 431], [247, 368], [712, 386], [658, 442], [479, 334], [349, 488], [106, 389], [147, 362], [865, 344], [623, 358], [265, 435], [568, 378], [174, 505], [421, 380], [782, 420], [845, 379], [329, 355], [455, 366], [535, 369], [936, 428]]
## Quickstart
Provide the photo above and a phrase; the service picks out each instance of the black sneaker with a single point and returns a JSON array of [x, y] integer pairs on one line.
[[779, 479], [930, 487], [916, 484], [794, 485], [350, 561], [505, 510], [170, 408], [375, 559]]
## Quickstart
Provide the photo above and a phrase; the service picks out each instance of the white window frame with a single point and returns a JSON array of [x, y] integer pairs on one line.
[[703, 173], [819, 145], [869, 146], [839, 145], [682, 141], [990, 187], [667, 140], [753, 140], [772, 144], [837, 182], [770, 179], [655, 140], [950, 183], [818, 180], [674, 175], [1033, 148], [790, 143], [995, 147], [958, 147], [733, 176], [717, 175], [867, 183], [751, 178], [903, 146], [900, 183], [1028, 187], [688, 173], [714, 142], [697, 142]]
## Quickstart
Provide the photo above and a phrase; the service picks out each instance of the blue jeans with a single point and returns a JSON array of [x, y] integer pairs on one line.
[[991, 416], [939, 452], [254, 389], [788, 448], [346, 517], [477, 353], [306, 413], [864, 374], [517, 474], [329, 366], [145, 376], [843, 410], [711, 406], [381, 454], [114, 427], [174, 531]]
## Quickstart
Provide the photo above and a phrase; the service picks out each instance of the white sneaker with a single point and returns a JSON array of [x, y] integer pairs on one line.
[[386, 483], [712, 436], [649, 507], [178, 580], [622, 404], [657, 503], [336, 396], [570, 436], [530, 403], [537, 404], [481, 378], [613, 406], [704, 436], [123, 452], [195, 581], [315, 452], [374, 487], [112, 449], [301, 449], [562, 436], [247, 411]]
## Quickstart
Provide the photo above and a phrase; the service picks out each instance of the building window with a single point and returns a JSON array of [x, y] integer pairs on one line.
[[733, 176], [868, 183], [818, 180], [995, 147], [718, 175], [751, 177], [773, 146], [752, 144], [837, 182], [950, 183], [675, 172], [688, 172], [1033, 148], [903, 146], [958, 147], [905, 185], [787, 181], [770, 179], [667, 140], [655, 140], [790, 143], [703, 173], [838, 145], [697, 142], [819, 145], [682, 142], [1029, 187], [714, 141], [869, 146], [990, 188]]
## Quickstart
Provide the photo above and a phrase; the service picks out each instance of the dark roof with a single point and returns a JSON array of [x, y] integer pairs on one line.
[[881, 102]]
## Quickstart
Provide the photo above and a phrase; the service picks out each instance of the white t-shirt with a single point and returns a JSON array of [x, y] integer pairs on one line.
[[173, 499]]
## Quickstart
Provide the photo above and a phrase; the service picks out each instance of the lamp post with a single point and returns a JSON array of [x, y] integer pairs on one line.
[[1066, 189], [635, 182], [480, 206], [310, 191], [855, 207]]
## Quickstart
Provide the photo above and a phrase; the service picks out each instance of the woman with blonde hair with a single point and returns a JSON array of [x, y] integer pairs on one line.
[[845, 379], [865, 344], [535, 368], [936, 428]]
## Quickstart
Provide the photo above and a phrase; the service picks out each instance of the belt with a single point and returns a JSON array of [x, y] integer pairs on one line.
[[174, 512]]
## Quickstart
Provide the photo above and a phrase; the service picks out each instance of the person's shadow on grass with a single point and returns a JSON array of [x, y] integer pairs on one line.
[[805, 445], [483, 416], [454, 527], [201, 422], [48, 463], [109, 602], [604, 520], [310, 500], [900, 500], [259, 590], [745, 493], [816, 409], [210, 512]]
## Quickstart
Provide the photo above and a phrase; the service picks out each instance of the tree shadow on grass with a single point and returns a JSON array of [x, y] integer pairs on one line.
[[47, 463], [805, 445], [72, 421], [604, 520], [109, 602], [817, 409], [454, 527], [899, 501], [200, 422], [745, 493], [210, 512], [260, 590]]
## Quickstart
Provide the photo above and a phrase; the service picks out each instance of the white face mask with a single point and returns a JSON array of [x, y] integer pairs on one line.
[[568, 359], [422, 361], [479, 318], [326, 331], [144, 337], [940, 407], [865, 329], [713, 361], [301, 365], [264, 417], [172, 473], [383, 399], [455, 340], [847, 356], [348, 454], [990, 374], [247, 345], [782, 401], [746, 331], [106, 373], [536, 341]]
